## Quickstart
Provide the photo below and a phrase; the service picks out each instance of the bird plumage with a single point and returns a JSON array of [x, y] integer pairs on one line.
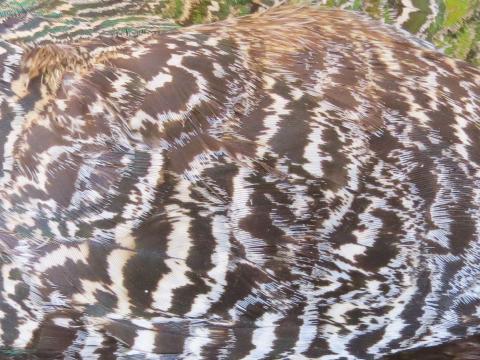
[[304, 190]]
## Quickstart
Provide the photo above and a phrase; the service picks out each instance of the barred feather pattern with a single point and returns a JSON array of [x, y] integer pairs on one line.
[[64, 20], [306, 190]]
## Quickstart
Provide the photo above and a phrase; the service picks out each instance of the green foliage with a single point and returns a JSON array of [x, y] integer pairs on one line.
[[456, 11]]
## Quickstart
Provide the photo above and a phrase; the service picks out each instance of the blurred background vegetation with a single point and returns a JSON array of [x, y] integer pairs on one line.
[[451, 25]]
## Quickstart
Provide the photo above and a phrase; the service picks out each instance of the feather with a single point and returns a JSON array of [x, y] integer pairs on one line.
[[308, 189]]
